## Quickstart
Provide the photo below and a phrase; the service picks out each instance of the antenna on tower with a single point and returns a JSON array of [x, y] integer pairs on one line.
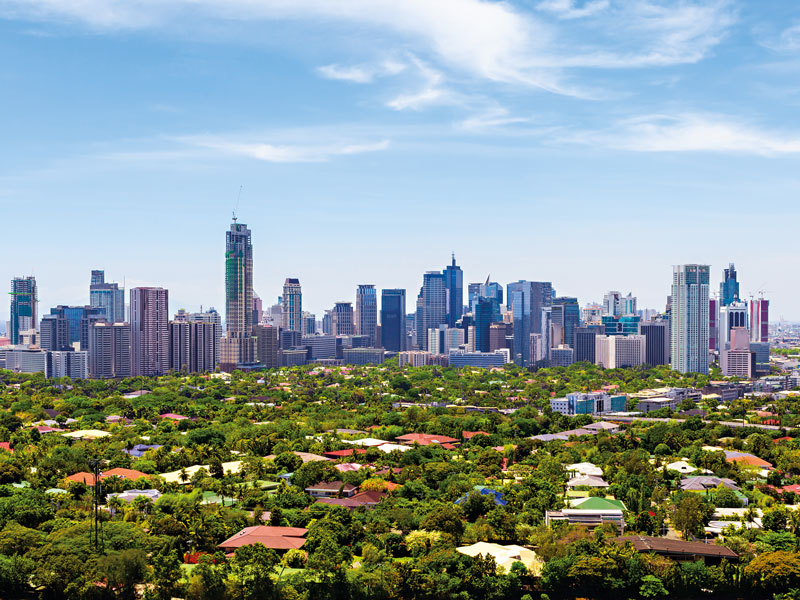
[[235, 210]]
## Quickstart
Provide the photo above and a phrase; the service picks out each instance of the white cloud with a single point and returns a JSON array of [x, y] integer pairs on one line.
[[283, 153], [567, 9], [787, 41], [362, 73], [491, 118], [690, 132], [431, 92]]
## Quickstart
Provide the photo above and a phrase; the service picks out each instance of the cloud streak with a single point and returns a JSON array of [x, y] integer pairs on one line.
[[283, 153], [690, 132]]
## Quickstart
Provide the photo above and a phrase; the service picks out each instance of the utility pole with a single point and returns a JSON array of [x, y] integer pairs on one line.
[[94, 465]]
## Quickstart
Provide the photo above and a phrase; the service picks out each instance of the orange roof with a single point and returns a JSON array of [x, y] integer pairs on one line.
[[131, 474], [277, 538], [425, 439], [6, 446], [749, 460], [468, 435], [82, 477]]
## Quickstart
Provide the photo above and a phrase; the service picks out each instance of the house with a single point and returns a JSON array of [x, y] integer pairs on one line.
[[275, 538], [587, 481], [130, 495], [703, 483], [468, 435], [603, 426], [131, 474], [681, 466], [584, 469], [304, 456], [6, 446], [366, 442], [81, 477], [336, 454], [367, 499], [173, 417], [743, 458], [425, 439], [587, 517], [678, 549], [387, 448], [505, 556], [139, 449], [86, 434], [331, 489]]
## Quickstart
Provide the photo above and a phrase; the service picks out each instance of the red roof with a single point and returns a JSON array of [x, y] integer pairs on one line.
[[82, 477], [277, 538], [131, 474], [791, 488], [173, 416], [468, 435], [448, 446], [342, 453], [783, 439], [368, 498], [47, 429], [749, 459], [6, 446]]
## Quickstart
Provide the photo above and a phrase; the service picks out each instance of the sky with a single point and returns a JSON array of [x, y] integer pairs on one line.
[[591, 143]]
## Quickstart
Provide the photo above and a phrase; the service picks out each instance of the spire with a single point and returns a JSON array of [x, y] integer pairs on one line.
[[454, 258], [488, 277]]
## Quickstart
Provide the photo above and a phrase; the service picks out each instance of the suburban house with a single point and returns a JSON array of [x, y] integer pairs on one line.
[[678, 549], [332, 489], [275, 538]]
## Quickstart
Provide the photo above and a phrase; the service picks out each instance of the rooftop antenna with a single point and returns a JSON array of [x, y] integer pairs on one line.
[[235, 210]]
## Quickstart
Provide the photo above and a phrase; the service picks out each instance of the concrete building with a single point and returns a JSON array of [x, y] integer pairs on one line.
[[562, 356], [732, 315], [689, 318], [501, 335], [366, 312], [342, 319], [292, 305], [461, 359], [759, 320], [656, 335], [363, 356], [74, 365], [267, 345], [24, 307], [737, 360], [108, 297], [588, 403], [149, 331], [413, 358], [619, 352], [431, 306], [321, 347], [238, 346], [585, 343], [525, 300], [110, 350]]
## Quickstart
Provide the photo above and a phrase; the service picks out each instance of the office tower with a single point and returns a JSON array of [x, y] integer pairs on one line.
[[615, 304], [320, 347], [309, 324], [621, 325], [327, 323], [107, 296], [366, 315], [54, 333], [431, 306], [258, 309], [525, 300], [592, 313], [567, 314], [91, 315], [238, 347], [737, 360], [689, 318], [292, 305], [729, 288], [713, 324], [393, 316], [342, 319], [473, 292], [78, 319], [454, 282], [585, 343], [288, 339], [619, 351], [483, 319], [759, 320], [275, 314], [537, 350], [149, 331], [109, 350], [734, 314], [24, 304], [267, 336], [562, 356], [547, 334], [656, 335], [501, 335]]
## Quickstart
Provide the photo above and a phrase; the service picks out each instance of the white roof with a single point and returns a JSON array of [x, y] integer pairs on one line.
[[365, 442], [585, 468], [681, 466], [175, 476], [505, 556], [89, 434], [589, 481], [389, 447]]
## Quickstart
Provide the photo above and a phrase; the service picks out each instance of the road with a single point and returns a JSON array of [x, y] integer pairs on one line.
[[662, 420]]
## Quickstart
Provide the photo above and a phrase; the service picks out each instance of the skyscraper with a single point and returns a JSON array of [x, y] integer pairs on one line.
[[689, 318], [108, 296], [393, 314], [733, 315], [454, 282], [292, 305], [483, 312], [342, 318], [238, 345], [759, 320], [109, 350], [366, 312], [567, 314], [656, 336], [431, 306], [149, 331], [24, 304], [729, 288], [525, 300], [54, 333]]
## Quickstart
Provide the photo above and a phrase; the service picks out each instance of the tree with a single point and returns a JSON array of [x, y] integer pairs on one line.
[[251, 571], [122, 571], [166, 574], [775, 571], [775, 519], [314, 472], [447, 518], [690, 514], [652, 587]]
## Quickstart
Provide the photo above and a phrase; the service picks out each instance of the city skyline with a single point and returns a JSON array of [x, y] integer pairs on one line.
[[387, 124]]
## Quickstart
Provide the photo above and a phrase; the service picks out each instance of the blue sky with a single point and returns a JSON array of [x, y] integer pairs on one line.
[[593, 143]]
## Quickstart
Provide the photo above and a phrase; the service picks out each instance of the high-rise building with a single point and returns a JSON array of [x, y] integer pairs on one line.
[[366, 315], [431, 306], [567, 314], [238, 347], [592, 313], [107, 296], [54, 333], [342, 319], [759, 320], [109, 350], [733, 314], [562, 356], [619, 352], [689, 321], [292, 305], [737, 360], [616, 305], [454, 282], [309, 324], [193, 346], [24, 305], [209, 316], [621, 324], [267, 336], [501, 335], [525, 300], [258, 309], [585, 343], [729, 288], [713, 324], [149, 331], [656, 335], [393, 311], [483, 318]]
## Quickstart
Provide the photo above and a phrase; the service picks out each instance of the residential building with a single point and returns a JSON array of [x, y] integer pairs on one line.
[[24, 305], [109, 350], [309, 324], [366, 313], [618, 352], [413, 358], [149, 331], [238, 346], [193, 346], [689, 318], [713, 324], [267, 345], [393, 311], [74, 365], [54, 333]]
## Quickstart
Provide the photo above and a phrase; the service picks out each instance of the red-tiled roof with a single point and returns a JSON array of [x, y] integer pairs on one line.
[[343, 453], [131, 474], [6, 446], [468, 435], [425, 439], [277, 538], [82, 477]]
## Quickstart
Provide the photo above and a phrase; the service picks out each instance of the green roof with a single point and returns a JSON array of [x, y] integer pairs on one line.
[[596, 503]]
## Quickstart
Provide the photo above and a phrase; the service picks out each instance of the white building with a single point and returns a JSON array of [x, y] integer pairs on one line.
[[620, 351], [689, 318]]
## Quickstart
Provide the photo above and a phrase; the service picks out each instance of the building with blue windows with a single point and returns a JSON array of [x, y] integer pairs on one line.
[[393, 316], [621, 325], [589, 403], [567, 314], [478, 359], [729, 288], [526, 299], [454, 283]]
